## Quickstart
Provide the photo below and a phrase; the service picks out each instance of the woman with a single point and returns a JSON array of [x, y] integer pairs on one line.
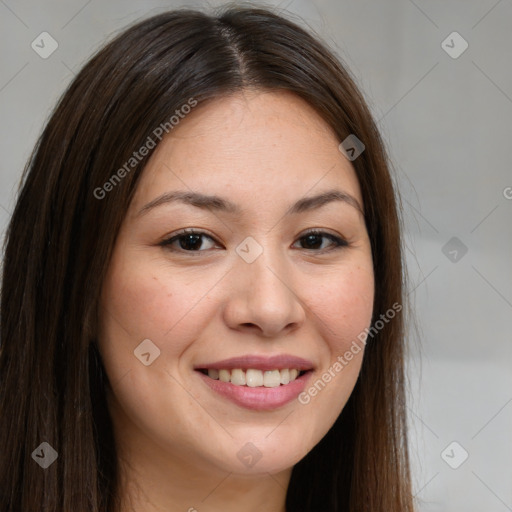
[[202, 289]]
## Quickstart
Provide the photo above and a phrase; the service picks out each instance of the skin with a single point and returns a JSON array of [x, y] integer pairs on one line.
[[177, 440]]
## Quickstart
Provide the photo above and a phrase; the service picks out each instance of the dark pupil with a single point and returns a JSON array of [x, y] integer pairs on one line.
[[311, 241], [190, 242]]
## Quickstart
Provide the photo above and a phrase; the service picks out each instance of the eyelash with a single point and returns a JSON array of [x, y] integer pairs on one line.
[[337, 241]]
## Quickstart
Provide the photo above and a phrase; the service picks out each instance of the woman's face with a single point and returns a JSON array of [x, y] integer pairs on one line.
[[249, 295]]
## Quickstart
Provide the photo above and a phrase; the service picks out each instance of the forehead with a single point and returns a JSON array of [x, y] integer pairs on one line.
[[255, 145]]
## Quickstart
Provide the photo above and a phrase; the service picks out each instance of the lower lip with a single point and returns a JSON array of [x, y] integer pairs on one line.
[[260, 398]]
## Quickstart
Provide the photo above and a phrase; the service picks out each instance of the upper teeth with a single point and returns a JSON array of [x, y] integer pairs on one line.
[[255, 378]]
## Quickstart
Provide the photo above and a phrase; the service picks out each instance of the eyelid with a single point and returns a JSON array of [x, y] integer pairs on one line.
[[337, 240], [166, 242]]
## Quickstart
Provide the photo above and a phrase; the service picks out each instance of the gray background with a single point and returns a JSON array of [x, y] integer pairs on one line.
[[447, 123]]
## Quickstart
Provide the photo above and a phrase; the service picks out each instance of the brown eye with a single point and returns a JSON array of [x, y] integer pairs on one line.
[[314, 240], [189, 241]]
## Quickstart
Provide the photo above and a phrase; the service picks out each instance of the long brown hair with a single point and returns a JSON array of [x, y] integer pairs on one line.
[[61, 236]]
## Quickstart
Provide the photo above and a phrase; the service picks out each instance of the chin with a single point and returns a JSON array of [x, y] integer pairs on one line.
[[260, 451]]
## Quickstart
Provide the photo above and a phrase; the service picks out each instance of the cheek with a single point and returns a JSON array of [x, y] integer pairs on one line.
[[144, 300], [344, 306]]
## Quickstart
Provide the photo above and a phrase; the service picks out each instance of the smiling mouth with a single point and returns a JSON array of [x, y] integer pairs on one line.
[[254, 378]]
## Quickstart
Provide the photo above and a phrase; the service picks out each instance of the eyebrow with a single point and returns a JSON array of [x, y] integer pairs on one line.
[[216, 203]]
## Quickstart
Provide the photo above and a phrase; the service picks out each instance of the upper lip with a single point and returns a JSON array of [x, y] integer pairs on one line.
[[257, 362]]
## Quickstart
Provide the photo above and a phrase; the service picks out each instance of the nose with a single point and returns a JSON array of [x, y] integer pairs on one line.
[[263, 298]]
